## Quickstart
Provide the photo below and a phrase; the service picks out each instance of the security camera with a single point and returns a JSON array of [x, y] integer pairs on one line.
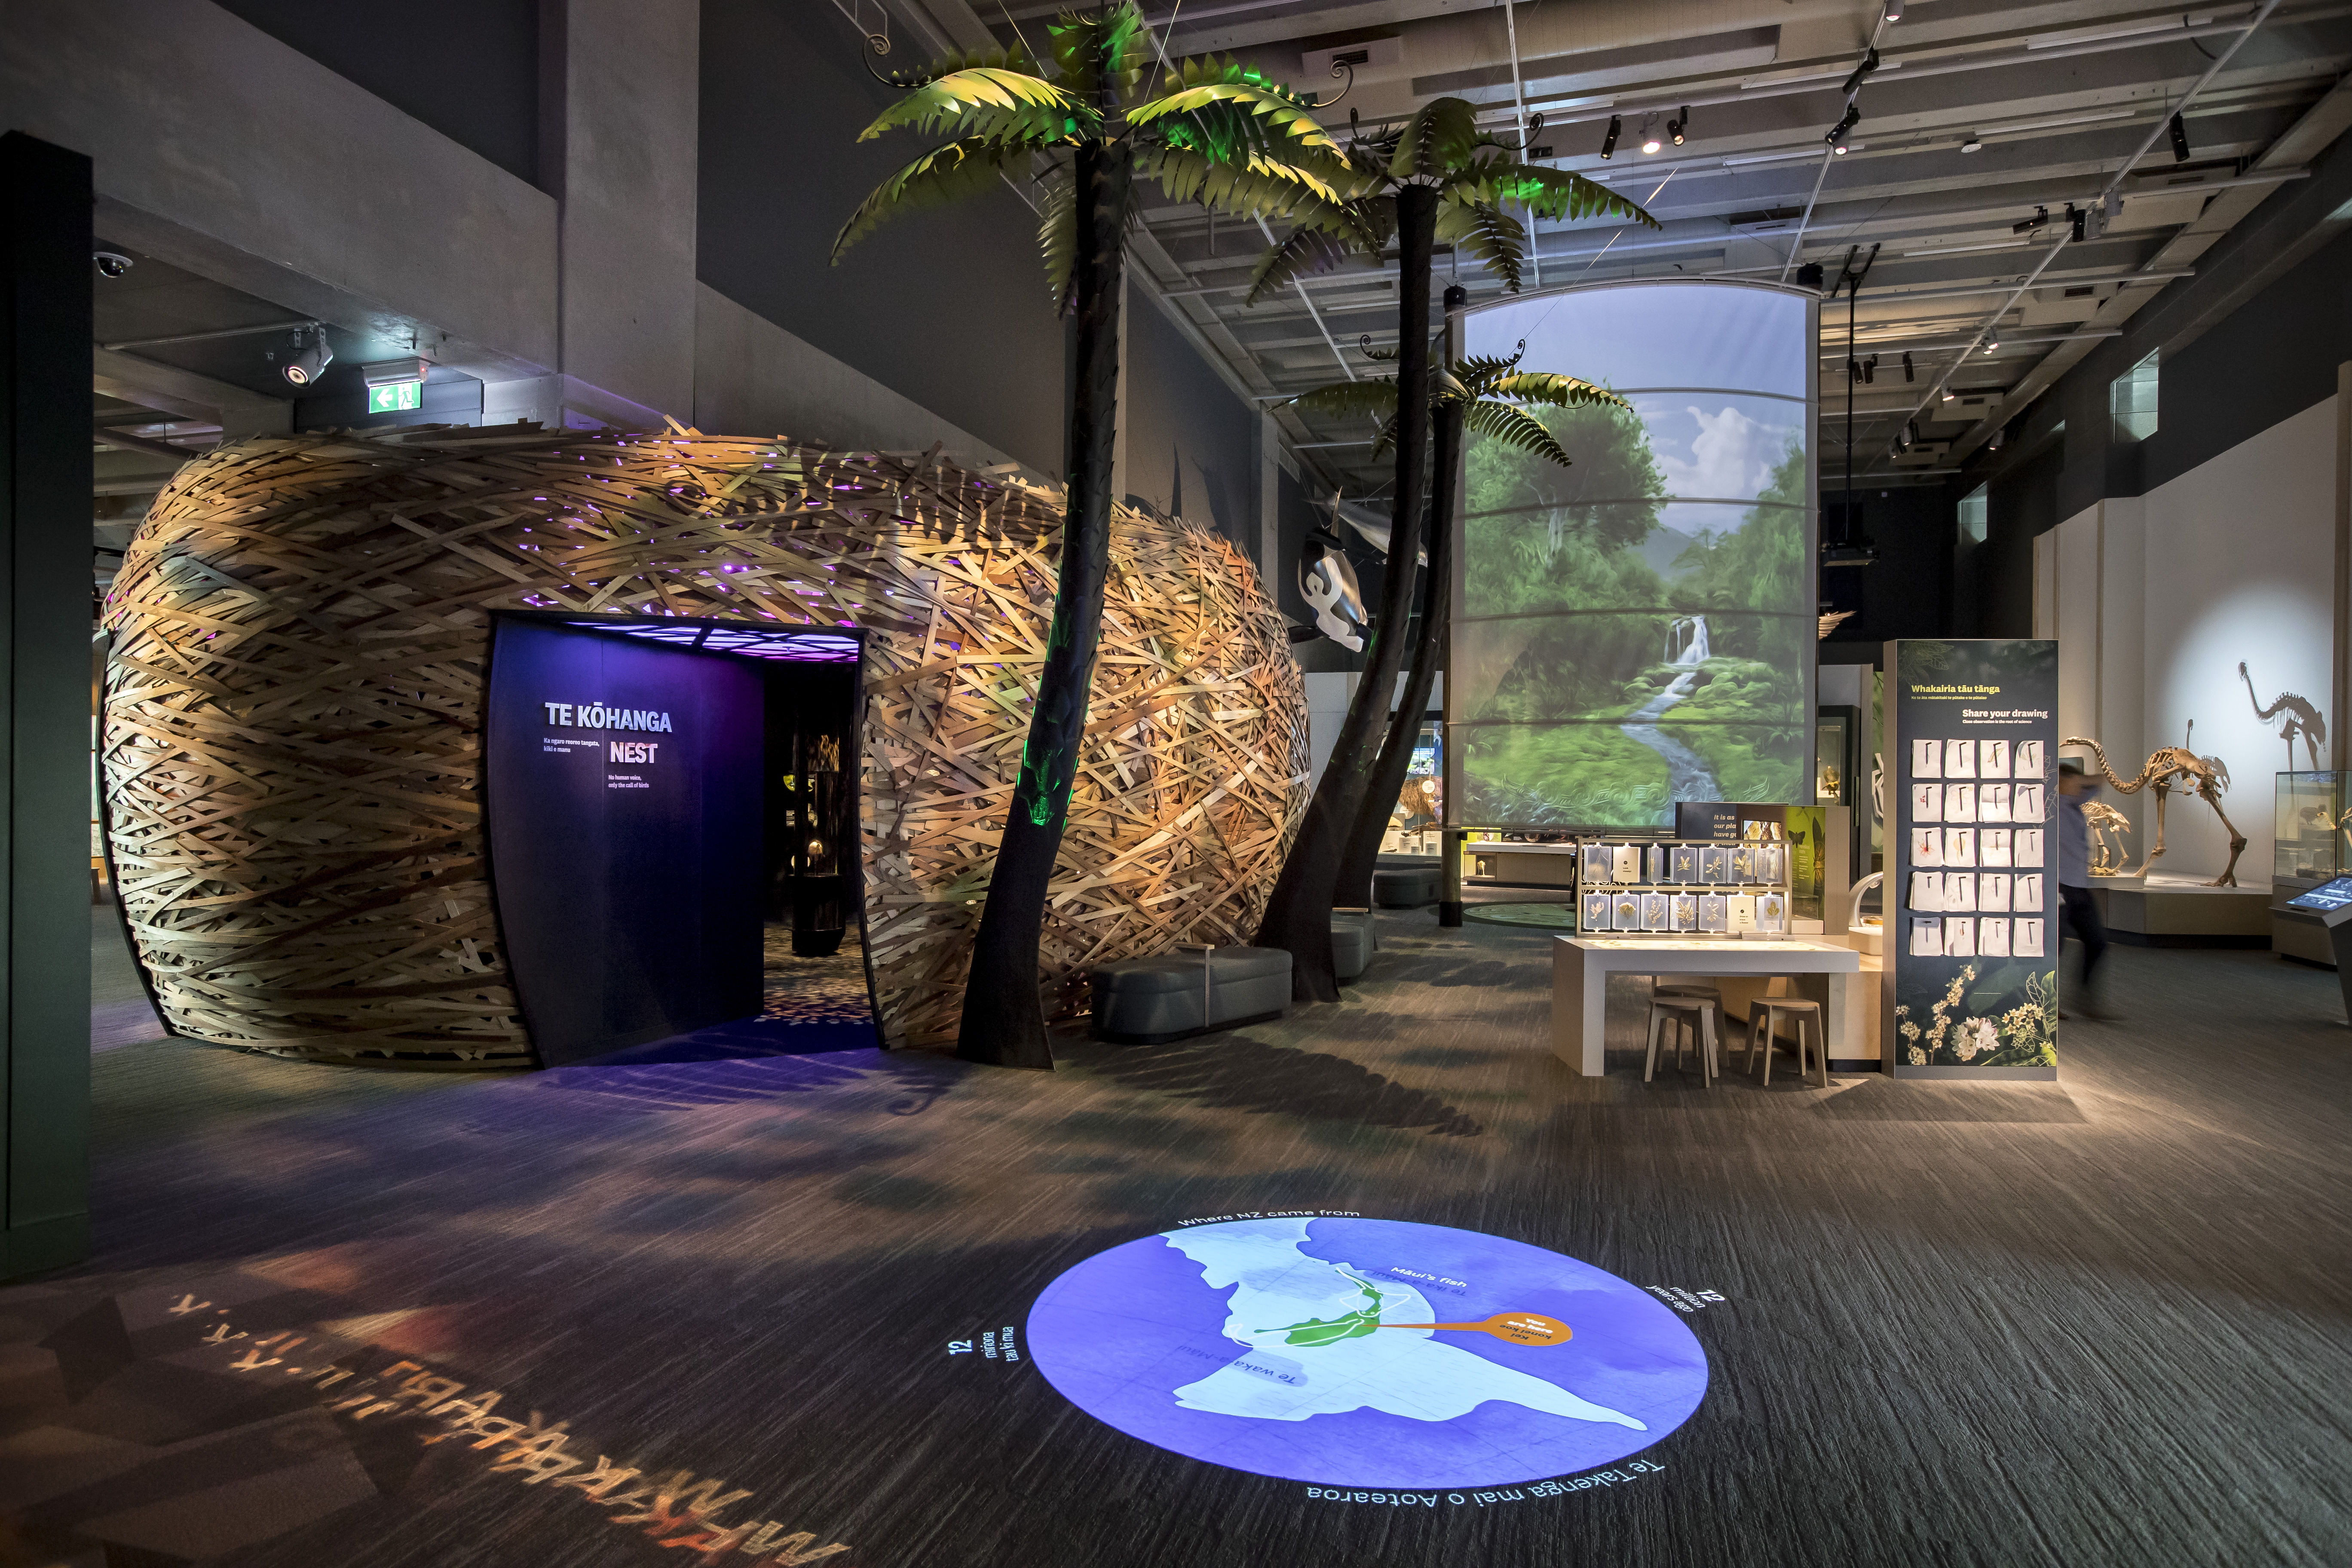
[[307, 363], [111, 263]]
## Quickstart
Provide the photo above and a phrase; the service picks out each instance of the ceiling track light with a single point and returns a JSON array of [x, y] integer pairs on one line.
[[1609, 138], [1974, 143], [2179, 141], [1841, 135], [1676, 127], [1991, 342], [307, 363], [2040, 219], [2076, 221], [1906, 367], [1650, 142], [1869, 369], [1861, 73], [1892, 11]]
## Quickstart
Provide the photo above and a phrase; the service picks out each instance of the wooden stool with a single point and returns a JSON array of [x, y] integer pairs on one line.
[[1710, 994], [1763, 1014], [1694, 1013]]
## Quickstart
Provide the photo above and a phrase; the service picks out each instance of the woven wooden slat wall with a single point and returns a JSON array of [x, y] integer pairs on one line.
[[293, 711]]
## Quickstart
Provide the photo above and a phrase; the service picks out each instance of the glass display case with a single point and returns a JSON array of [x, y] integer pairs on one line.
[[2313, 830], [1833, 757], [1420, 809]]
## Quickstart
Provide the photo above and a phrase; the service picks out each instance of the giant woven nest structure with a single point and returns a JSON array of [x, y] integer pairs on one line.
[[292, 724]]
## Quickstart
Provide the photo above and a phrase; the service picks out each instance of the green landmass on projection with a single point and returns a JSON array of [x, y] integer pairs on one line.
[[1325, 1331], [1330, 1313]]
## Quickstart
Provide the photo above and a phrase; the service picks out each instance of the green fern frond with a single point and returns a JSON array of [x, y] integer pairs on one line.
[[985, 101], [1279, 113], [1488, 233], [1556, 193], [1551, 390], [1514, 427], [941, 175], [1439, 140], [1349, 399], [1306, 250]]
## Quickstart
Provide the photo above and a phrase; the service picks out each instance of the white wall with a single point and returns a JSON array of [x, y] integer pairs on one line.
[[2155, 600]]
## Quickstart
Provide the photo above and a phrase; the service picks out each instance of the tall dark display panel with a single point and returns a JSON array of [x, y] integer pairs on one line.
[[626, 852], [1971, 981]]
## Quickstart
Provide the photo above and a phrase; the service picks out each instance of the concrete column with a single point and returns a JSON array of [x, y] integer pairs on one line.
[[1266, 504], [619, 134], [45, 480]]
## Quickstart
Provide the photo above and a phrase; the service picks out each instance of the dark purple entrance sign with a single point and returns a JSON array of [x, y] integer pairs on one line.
[[624, 806]]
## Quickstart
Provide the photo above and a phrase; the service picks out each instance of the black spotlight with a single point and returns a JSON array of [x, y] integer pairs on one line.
[[1676, 128], [1810, 275], [2179, 142], [1869, 369], [1906, 367], [2076, 217], [1609, 140], [1840, 134], [1854, 370]]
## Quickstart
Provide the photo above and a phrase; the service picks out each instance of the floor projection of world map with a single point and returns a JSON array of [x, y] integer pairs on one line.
[[1365, 1353]]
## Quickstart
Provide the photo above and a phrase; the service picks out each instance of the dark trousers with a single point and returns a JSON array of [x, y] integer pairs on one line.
[[2079, 912]]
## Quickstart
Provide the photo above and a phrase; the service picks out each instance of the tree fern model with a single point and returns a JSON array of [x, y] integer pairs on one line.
[[1483, 396], [1436, 176], [1216, 132]]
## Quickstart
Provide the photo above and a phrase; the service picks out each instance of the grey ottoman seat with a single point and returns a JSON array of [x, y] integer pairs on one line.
[[1406, 887], [1353, 942], [1143, 1001]]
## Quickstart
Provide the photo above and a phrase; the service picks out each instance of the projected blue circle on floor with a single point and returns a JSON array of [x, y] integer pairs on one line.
[[1366, 1353]]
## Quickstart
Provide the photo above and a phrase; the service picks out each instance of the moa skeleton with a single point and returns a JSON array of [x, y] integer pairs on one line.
[[2170, 768], [2102, 820]]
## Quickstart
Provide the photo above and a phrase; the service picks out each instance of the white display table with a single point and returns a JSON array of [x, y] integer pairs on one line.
[[1582, 966]]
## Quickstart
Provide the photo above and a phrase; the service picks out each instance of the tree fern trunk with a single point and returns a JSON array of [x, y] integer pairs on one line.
[[1362, 853], [1298, 913], [1004, 1023]]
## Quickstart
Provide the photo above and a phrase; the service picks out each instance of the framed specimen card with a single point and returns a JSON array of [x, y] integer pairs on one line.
[[1593, 866], [1625, 911], [1970, 986], [1654, 859], [1685, 909], [1594, 913], [1625, 863], [1715, 863], [1685, 863], [1713, 913], [1741, 907], [1959, 937]]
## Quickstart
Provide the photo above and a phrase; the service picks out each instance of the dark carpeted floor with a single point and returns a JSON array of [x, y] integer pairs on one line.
[[2102, 1321]]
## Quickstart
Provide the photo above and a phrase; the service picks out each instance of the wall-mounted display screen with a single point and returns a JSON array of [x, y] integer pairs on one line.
[[1637, 628]]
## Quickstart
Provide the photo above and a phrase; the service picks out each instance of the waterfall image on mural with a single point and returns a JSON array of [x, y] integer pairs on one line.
[[1628, 637]]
